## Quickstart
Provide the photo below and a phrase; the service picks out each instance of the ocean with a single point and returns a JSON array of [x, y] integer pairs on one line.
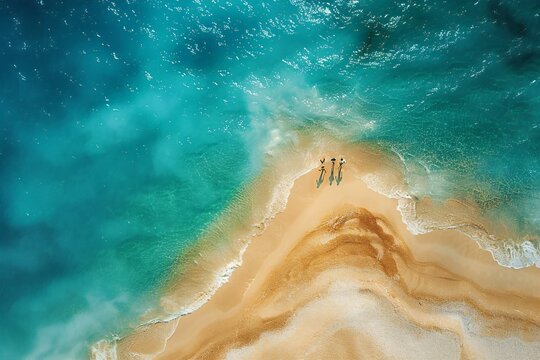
[[128, 126]]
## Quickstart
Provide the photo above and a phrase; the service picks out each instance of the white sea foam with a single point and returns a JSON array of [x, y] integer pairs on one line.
[[104, 350], [277, 204], [281, 192], [511, 253], [221, 278], [107, 349], [508, 253]]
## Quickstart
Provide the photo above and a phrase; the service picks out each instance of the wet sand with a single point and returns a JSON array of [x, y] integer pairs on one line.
[[337, 275]]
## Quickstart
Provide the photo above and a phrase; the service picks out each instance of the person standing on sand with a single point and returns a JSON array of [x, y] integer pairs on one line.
[[340, 170], [332, 177], [321, 177]]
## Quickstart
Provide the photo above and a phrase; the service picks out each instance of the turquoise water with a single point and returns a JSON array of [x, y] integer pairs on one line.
[[127, 126]]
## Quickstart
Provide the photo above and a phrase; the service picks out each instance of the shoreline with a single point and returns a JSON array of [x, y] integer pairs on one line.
[[176, 294]]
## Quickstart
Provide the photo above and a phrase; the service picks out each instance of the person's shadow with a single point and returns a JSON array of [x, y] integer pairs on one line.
[[321, 177], [332, 177], [340, 174]]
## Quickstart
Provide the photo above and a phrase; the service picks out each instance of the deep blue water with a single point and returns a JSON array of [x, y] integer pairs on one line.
[[127, 126]]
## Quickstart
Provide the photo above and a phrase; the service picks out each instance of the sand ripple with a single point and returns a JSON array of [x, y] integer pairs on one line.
[[337, 275]]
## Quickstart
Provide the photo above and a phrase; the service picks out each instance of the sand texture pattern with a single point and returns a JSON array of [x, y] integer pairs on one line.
[[337, 275]]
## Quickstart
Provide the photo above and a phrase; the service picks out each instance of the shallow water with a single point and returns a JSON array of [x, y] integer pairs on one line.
[[128, 126]]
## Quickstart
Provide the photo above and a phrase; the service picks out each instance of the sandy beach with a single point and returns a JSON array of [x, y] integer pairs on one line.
[[338, 275]]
